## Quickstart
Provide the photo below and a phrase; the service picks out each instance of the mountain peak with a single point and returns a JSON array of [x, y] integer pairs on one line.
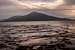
[[36, 13]]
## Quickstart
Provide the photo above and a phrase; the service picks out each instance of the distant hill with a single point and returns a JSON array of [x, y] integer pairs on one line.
[[34, 16]]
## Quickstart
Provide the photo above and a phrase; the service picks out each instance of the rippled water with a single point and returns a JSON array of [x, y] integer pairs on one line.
[[35, 38]]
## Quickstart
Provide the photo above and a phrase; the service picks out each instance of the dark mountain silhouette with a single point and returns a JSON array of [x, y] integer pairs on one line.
[[34, 16]]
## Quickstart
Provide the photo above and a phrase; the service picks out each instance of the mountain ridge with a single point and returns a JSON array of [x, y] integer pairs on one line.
[[35, 16]]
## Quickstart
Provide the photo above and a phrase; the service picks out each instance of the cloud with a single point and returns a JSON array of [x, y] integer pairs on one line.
[[60, 8], [5, 3], [70, 2], [40, 4]]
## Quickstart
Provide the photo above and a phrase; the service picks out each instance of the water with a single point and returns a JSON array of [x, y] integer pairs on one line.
[[35, 32], [33, 23]]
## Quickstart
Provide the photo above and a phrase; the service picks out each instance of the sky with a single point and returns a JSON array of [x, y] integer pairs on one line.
[[58, 8]]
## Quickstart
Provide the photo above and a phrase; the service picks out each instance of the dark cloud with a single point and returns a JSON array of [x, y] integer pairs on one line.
[[70, 2]]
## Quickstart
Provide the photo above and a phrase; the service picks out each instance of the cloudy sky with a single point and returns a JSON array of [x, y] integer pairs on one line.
[[60, 8]]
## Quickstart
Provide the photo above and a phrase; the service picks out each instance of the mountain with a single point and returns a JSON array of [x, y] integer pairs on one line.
[[34, 16]]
